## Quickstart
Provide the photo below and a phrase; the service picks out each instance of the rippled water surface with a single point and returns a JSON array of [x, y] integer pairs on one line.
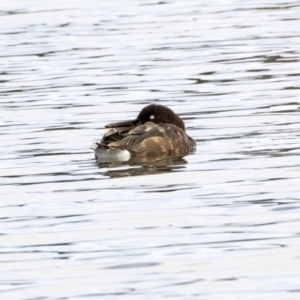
[[223, 223]]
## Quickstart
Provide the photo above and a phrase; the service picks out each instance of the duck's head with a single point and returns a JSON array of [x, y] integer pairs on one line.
[[152, 113]]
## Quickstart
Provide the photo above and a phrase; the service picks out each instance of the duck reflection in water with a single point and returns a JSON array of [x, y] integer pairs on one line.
[[143, 167], [156, 133]]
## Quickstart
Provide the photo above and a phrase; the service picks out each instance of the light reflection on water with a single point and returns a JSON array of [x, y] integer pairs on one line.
[[221, 223]]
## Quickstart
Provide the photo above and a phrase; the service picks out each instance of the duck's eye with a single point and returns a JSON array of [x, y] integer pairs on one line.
[[151, 117]]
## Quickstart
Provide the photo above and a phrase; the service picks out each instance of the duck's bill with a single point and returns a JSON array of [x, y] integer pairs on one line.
[[130, 123]]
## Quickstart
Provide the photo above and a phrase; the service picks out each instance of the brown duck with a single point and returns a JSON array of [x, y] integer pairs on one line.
[[156, 132]]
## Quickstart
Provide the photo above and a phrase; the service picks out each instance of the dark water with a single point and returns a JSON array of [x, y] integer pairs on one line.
[[223, 223]]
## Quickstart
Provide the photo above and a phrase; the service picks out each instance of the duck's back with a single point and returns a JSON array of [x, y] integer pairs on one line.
[[151, 139]]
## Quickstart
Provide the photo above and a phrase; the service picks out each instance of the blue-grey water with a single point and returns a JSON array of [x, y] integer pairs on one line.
[[223, 223]]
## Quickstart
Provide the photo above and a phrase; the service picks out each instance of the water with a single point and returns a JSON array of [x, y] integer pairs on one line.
[[220, 224]]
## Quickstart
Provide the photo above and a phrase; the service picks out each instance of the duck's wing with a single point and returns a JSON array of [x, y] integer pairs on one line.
[[114, 134], [153, 140]]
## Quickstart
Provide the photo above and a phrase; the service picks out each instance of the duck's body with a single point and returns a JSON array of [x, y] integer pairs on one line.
[[157, 131]]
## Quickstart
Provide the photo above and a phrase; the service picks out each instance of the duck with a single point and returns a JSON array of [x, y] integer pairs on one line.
[[156, 132]]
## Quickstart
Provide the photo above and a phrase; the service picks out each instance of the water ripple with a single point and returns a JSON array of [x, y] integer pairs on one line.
[[222, 223]]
